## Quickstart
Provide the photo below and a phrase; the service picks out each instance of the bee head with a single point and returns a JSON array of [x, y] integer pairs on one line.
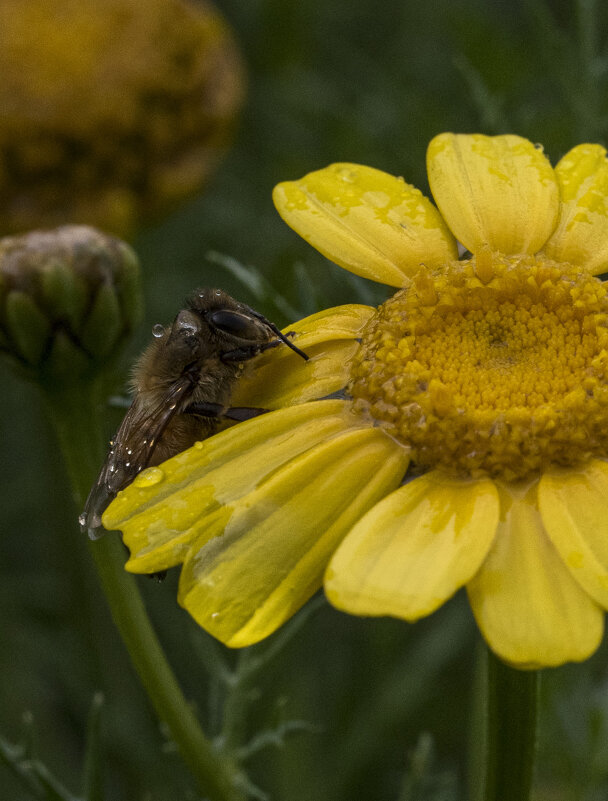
[[232, 324], [227, 320]]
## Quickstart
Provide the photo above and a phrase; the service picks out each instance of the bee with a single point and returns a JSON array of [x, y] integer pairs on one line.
[[182, 385]]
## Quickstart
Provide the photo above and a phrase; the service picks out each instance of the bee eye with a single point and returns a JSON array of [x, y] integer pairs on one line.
[[234, 323]]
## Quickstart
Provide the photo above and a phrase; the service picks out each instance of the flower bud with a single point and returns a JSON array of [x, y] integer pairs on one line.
[[69, 298], [112, 110]]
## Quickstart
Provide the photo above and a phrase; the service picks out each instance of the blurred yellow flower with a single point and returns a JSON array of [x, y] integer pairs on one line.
[[112, 110], [485, 377]]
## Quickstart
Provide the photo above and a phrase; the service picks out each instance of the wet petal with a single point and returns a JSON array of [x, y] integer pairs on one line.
[[272, 551], [159, 517], [581, 236], [530, 610], [574, 508], [414, 549], [367, 221], [494, 191], [280, 377]]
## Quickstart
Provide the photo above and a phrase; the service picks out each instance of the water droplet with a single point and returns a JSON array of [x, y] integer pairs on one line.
[[214, 615], [198, 445], [82, 519], [218, 292], [347, 175], [158, 330], [149, 477]]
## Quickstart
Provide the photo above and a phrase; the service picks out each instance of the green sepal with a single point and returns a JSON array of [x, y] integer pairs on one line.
[[129, 287], [27, 326], [64, 292], [66, 359], [5, 343], [103, 325]]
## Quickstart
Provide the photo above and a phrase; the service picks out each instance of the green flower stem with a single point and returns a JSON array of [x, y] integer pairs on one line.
[[75, 415], [512, 700]]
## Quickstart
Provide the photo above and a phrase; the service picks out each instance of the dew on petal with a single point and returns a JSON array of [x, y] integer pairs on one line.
[[149, 478]]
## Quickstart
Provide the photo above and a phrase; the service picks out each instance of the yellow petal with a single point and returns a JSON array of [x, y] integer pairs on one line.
[[414, 549], [367, 221], [270, 558], [158, 517], [339, 322], [581, 236], [279, 377], [498, 192], [574, 508], [530, 610]]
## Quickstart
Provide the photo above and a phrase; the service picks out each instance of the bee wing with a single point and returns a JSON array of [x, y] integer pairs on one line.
[[131, 450]]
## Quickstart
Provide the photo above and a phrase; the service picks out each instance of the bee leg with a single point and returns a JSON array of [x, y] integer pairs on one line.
[[241, 413], [238, 413], [247, 352]]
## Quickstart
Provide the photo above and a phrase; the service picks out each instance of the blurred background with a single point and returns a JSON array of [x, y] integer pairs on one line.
[[351, 709]]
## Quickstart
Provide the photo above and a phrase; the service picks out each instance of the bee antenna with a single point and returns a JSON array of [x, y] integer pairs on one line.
[[279, 334], [288, 342]]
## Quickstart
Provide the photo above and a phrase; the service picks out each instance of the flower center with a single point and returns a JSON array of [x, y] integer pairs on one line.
[[494, 366]]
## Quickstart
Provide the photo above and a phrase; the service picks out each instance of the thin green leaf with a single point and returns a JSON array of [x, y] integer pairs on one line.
[[267, 651], [93, 762], [52, 789], [259, 286], [211, 654], [274, 737]]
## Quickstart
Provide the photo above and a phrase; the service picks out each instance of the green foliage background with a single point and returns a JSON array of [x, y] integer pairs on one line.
[[370, 709]]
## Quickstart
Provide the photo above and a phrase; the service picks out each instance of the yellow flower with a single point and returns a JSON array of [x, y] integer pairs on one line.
[[466, 439], [113, 111]]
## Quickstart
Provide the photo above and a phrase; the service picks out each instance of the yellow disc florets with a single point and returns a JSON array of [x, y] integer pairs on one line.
[[494, 366]]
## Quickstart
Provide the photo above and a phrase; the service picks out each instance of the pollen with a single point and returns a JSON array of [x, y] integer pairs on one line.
[[493, 366]]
